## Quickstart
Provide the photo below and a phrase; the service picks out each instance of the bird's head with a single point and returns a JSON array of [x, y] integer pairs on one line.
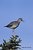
[[20, 19]]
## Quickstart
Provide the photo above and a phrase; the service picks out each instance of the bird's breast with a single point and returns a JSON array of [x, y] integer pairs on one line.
[[13, 26]]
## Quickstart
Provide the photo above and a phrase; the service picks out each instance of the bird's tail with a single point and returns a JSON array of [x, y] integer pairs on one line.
[[5, 26]]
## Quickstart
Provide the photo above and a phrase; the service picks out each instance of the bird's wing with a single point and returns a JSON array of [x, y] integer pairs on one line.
[[11, 23], [14, 22]]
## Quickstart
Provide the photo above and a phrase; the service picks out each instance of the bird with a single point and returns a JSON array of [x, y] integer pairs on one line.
[[14, 24]]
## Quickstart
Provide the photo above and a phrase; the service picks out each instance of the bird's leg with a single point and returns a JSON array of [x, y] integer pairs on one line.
[[13, 31]]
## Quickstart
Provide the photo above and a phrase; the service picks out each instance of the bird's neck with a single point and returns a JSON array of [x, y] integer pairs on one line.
[[19, 21]]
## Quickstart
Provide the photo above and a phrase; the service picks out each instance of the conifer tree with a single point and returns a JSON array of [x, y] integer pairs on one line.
[[12, 44]]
